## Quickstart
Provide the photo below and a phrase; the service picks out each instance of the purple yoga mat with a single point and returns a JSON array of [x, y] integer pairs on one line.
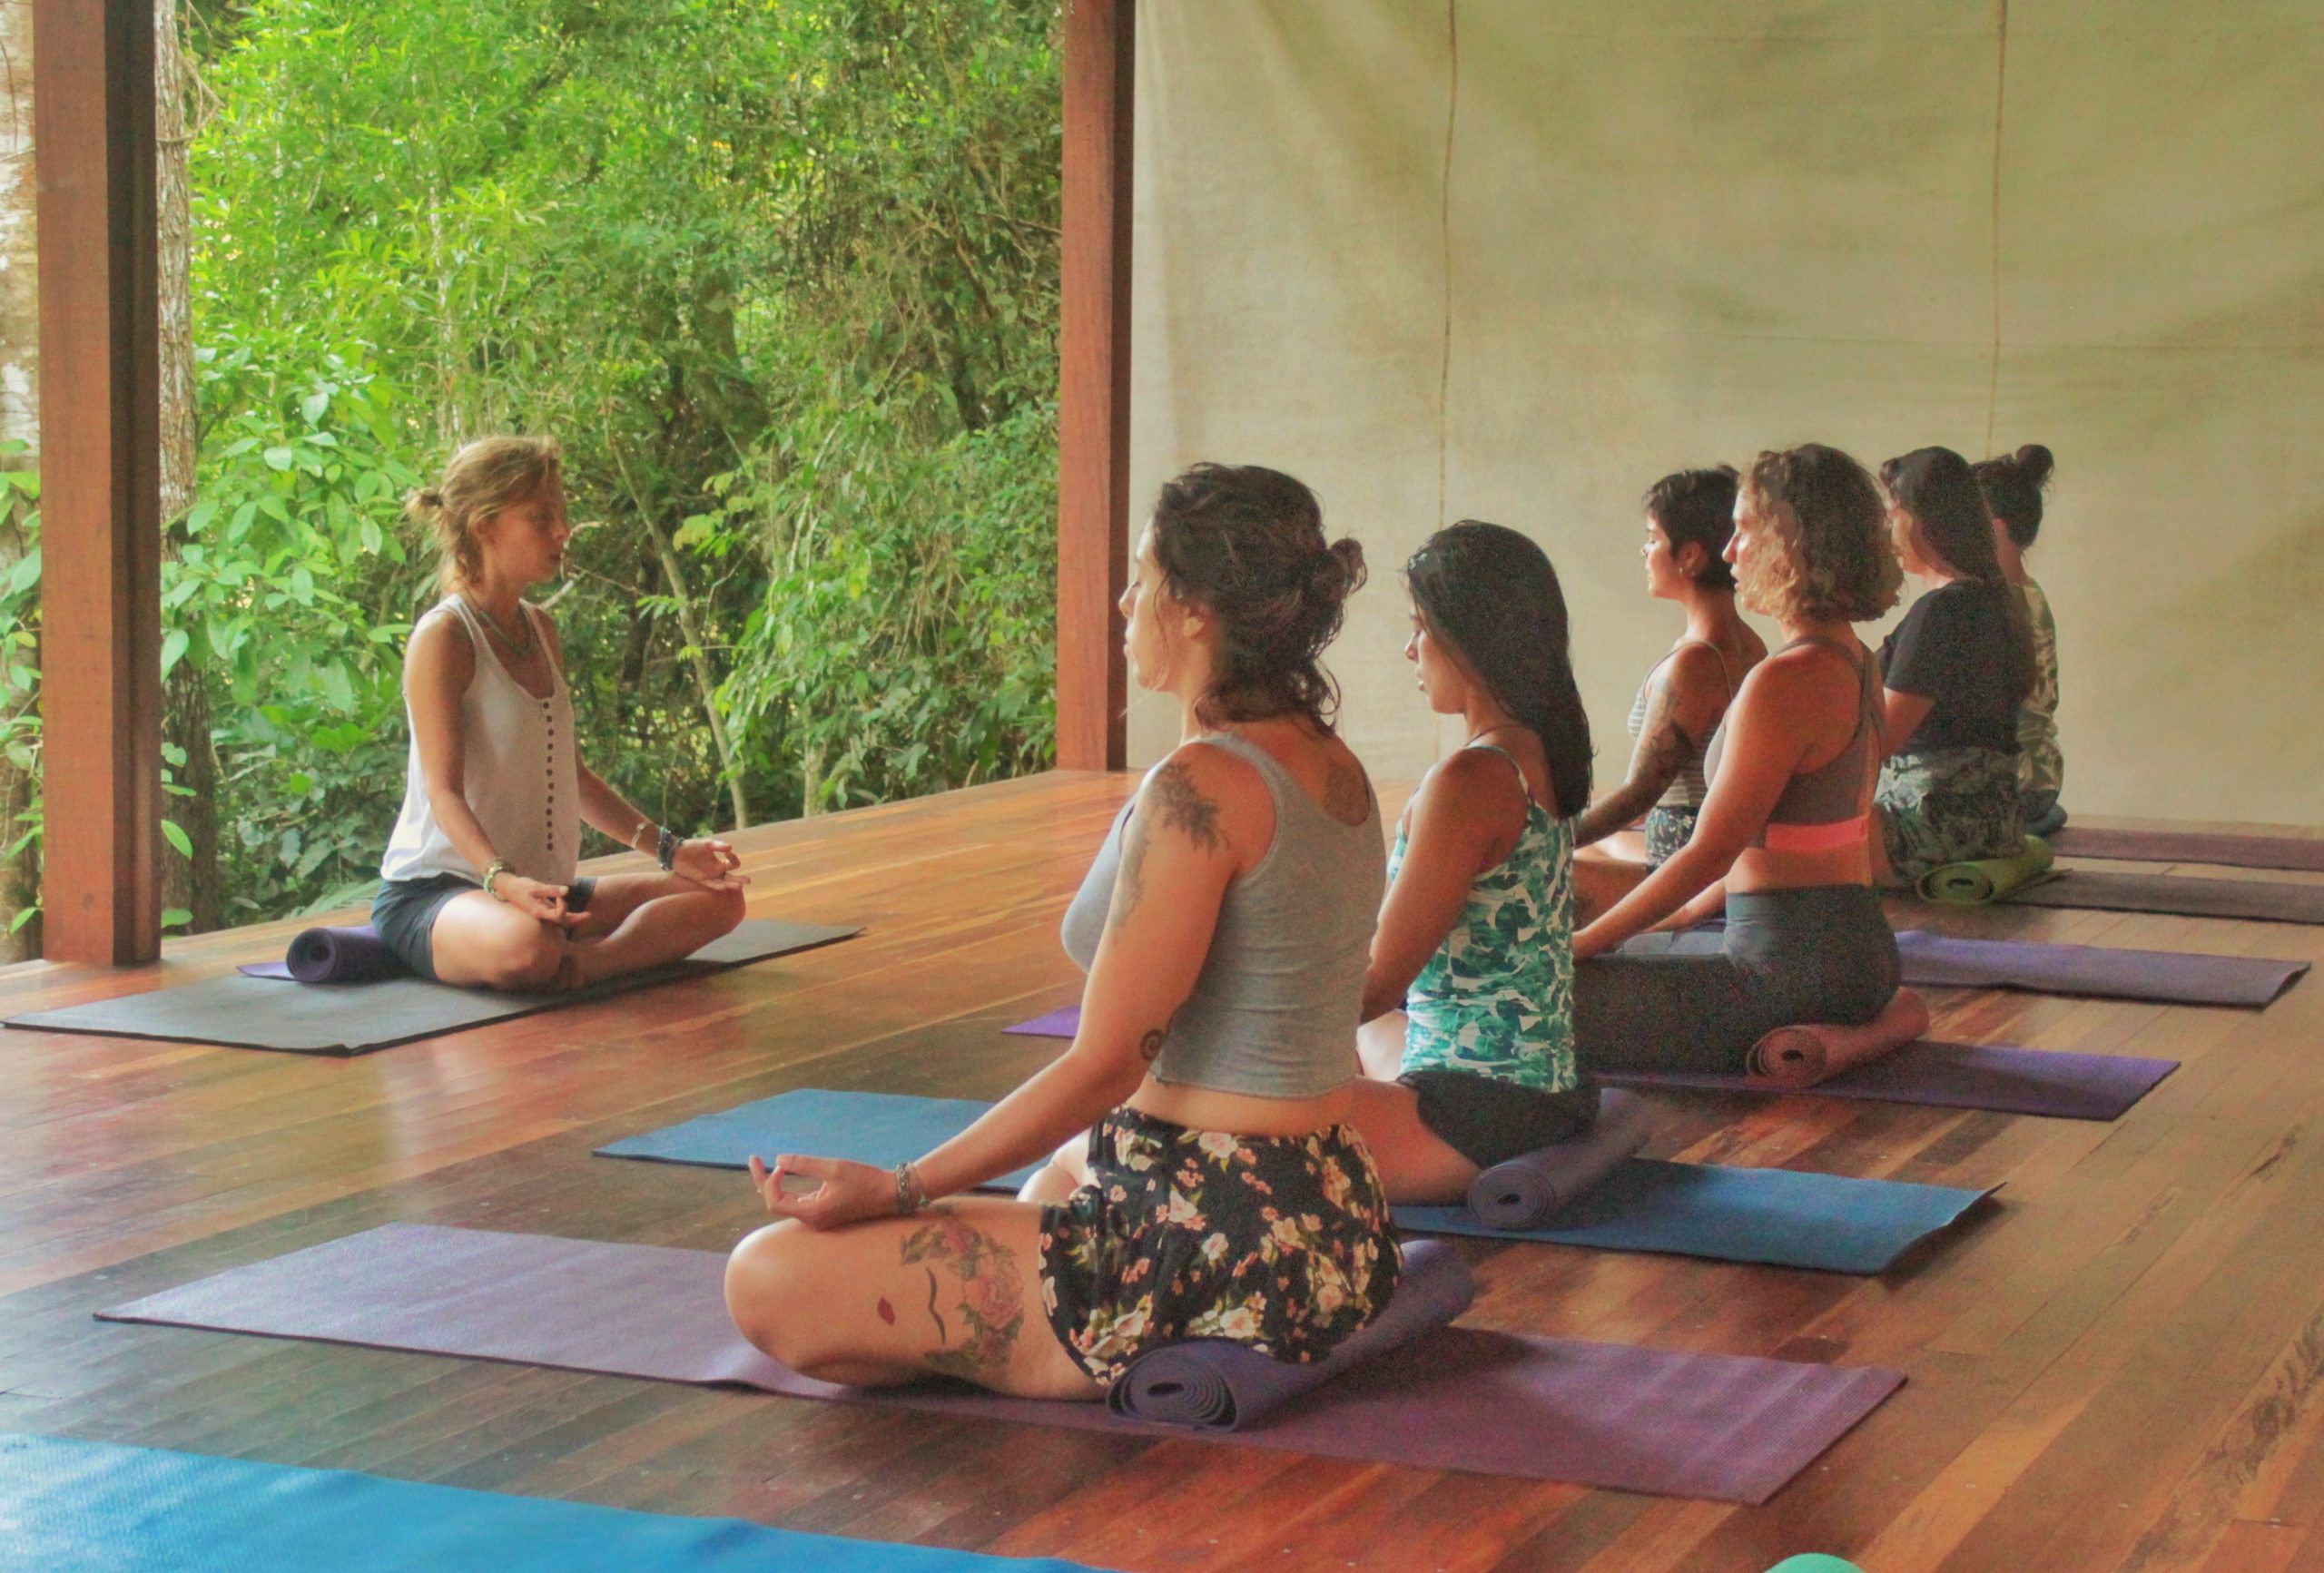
[[2300, 852], [1523, 1193], [2266, 901], [2166, 976], [1063, 1022], [351, 954], [1963, 1075], [1725, 1427]]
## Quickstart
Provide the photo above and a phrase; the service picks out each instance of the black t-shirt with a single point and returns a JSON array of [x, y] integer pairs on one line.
[[1953, 648]]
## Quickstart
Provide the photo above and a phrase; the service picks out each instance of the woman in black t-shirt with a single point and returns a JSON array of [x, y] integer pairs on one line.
[[1958, 667]]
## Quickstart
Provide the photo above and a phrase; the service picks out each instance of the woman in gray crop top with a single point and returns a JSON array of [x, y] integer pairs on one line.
[[1219, 1193], [1783, 841]]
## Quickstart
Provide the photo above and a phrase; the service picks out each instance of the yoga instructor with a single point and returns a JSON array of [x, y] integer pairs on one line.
[[1219, 1193], [479, 883]]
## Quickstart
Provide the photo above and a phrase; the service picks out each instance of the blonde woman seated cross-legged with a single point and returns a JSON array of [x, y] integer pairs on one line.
[[1219, 1192]]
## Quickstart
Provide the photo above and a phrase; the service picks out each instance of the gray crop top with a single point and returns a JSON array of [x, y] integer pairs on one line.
[[1273, 1012]]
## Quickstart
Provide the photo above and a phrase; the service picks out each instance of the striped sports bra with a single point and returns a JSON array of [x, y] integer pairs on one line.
[[1827, 807], [1692, 784]]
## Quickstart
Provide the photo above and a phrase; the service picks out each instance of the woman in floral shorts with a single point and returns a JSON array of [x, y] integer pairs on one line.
[[1219, 1192]]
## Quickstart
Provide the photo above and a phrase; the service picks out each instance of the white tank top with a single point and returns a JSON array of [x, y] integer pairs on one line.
[[519, 772]]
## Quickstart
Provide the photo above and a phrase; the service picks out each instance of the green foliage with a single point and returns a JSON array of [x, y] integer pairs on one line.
[[781, 277]]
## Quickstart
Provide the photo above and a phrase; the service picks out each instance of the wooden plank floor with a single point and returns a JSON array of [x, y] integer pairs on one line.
[[2116, 1367]]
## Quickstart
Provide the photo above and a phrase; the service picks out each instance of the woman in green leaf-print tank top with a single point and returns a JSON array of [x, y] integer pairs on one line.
[[1468, 998]]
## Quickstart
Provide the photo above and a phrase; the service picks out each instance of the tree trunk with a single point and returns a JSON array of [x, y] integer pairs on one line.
[[190, 884]]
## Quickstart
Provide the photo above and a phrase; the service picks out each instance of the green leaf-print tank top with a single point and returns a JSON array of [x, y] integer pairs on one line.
[[1497, 998]]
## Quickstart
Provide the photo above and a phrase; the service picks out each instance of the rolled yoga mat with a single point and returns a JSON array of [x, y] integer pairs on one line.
[[69, 1506], [1775, 1216], [2305, 853], [239, 1012], [1524, 1190], [2164, 977], [355, 954], [2260, 900], [1733, 1429], [1791, 1058], [1962, 1075], [1976, 883]]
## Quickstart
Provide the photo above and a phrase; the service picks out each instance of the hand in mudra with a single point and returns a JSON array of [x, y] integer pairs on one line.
[[710, 863], [535, 899]]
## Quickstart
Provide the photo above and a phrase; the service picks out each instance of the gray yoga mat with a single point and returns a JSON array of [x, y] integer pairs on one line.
[[1526, 1191], [2265, 900], [347, 1018], [1963, 1075], [2234, 852], [2164, 977], [1724, 1427]]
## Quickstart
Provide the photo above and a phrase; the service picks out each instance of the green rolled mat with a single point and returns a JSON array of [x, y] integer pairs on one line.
[[1987, 879]]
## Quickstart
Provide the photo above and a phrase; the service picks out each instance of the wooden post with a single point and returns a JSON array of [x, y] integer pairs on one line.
[[1093, 383], [100, 439]]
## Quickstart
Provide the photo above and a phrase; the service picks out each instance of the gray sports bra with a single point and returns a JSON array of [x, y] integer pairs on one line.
[[1825, 808], [1274, 1010]]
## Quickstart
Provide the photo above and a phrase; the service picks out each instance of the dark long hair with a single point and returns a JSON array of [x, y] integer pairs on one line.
[[1697, 507], [2013, 487], [1492, 594], [1933, 485], [1246, 544]]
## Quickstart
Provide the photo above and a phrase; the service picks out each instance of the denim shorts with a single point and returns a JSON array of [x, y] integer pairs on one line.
[[403, 912]]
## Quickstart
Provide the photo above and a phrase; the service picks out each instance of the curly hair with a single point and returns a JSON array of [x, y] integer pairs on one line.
[[484, 477], [1835, 560], [1246, 544], [1492, 595]]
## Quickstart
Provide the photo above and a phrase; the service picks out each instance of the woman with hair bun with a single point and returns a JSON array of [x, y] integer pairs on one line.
[[1688, 517], [1958, 666], [1469, 999], [478, 884], [1783, 840], [2013, 490], [1219, 1192]]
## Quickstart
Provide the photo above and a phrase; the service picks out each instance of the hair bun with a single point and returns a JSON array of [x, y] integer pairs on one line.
[[2035, 463]]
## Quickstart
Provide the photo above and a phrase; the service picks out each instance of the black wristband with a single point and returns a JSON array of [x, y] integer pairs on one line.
[[666, 847]]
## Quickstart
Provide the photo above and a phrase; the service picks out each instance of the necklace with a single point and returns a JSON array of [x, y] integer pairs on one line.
[[518, 651]]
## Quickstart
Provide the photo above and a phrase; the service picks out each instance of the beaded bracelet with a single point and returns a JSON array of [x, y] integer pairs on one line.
[[493, 870], [911, 1195]]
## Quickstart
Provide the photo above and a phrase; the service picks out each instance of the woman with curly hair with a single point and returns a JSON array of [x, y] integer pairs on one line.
[[1783, 841], [1220, 1192], [1958, 666]]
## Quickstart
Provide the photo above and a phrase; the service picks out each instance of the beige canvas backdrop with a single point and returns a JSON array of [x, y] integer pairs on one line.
[[1514, 258]]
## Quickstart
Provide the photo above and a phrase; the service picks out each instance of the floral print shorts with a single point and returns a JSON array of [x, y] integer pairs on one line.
[[1279, 1243], [1667, 830]]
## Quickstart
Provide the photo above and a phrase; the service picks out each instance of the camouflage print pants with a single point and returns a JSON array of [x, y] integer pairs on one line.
[[1949, 805]]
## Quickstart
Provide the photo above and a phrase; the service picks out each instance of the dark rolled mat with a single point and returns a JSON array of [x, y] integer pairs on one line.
[[238, 1012], [1522, 1191], [353, 954], [2261, 901], [1217, 1385], [1729, 1428], [2304, 853], [2163, 977]]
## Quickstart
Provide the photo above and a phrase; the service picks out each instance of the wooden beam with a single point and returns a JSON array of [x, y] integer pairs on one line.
[[100, 432], [1093, 383]]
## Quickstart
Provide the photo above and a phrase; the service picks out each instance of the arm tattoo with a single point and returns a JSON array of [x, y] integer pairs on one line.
[[990, 1295], [1662, 750], [1150, 1047], [1182, 807]]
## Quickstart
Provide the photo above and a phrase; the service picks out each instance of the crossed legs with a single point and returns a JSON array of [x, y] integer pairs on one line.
[[633, 921]]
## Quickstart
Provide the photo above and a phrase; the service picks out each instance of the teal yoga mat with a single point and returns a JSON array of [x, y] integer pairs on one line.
[[67, 1507], [1780, 1217]]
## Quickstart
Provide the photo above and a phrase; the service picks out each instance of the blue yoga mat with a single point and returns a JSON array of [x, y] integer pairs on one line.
[[1776, 1217], [68, 1506], [872, 1127]]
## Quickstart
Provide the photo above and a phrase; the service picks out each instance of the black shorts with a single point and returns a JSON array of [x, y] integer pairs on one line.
[[403, 912], [1489, 1121]]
